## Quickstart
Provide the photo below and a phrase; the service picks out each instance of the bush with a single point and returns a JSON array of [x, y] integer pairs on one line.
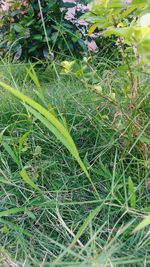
[[23, 35]]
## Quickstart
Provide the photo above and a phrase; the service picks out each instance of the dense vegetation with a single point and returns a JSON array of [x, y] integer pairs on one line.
[[74, 137], [31, 28]]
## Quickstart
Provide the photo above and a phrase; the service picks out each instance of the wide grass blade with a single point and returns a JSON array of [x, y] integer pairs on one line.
[[12, 211], [58, 127]]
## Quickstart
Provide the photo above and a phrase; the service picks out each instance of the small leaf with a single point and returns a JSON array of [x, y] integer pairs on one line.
[[22, 140], [17, 27], [31, 72], [5, 230], [112, 96], [92, 28], [30, 214], [38, 37], [69, 5]]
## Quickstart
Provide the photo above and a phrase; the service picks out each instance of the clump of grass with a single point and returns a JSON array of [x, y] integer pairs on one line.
[[65, 223]]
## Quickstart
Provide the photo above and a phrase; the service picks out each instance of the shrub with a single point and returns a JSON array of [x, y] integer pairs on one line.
[[22, 31]]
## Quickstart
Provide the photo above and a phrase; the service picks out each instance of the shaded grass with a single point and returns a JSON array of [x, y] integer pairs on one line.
[[38, 228]]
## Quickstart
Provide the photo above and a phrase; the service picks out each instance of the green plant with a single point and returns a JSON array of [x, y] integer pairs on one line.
[[130, 22], [65, 223], [22, 34], [48, 118]]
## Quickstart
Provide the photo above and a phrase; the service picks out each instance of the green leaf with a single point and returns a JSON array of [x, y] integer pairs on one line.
[[22, 140], [30, 214], [2, 133], [27, 180], [38, 37], [12, 211], [69, 5], [17, 27], [132, 194], [31, 72], [92, 28]]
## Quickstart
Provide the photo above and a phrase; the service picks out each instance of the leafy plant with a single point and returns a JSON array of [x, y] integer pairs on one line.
[[129, 20], [22, 33]]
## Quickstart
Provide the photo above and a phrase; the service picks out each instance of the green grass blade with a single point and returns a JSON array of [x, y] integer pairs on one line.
[[61, 138], [55, 122], [86, 223], [144, 223], [31, 72], [12, 211], [132, 194], [28, 180], [11, 153], [44, 121]]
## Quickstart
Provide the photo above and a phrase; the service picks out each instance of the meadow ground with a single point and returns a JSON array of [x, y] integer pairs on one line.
[[66, 223]]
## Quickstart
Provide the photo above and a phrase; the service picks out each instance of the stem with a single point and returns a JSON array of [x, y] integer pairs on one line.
[[133, 81]]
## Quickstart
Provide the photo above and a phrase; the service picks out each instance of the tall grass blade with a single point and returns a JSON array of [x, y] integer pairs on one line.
[[31, 72], [69, 143]]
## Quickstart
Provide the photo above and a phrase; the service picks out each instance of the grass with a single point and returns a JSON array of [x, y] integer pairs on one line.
[[65, 223]]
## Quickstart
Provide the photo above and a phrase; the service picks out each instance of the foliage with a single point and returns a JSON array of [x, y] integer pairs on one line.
[[129, 21], [52, 123], [50, 214], [22, 31]]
